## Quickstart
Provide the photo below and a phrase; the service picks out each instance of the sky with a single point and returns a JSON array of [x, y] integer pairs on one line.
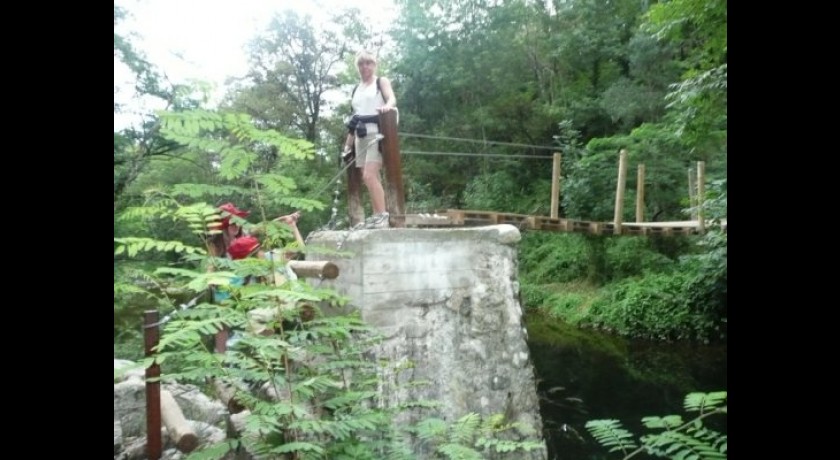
[[205, 40]]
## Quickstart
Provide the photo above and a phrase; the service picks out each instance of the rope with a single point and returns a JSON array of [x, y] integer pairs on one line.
[[425, 136], [168, 317], [485, 155]]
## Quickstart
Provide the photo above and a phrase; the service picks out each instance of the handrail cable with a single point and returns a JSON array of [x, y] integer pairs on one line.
[[426, 136], [484, 155]]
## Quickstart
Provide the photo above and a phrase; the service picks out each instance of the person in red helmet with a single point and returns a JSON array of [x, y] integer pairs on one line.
[[218, 244], [243, 247], [231, 228], [233, 243]]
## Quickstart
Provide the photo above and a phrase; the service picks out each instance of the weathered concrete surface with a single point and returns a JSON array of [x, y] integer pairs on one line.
[[447, 301]]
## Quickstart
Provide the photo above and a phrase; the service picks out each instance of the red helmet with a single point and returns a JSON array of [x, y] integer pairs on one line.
[[243, 246], [231, 210]]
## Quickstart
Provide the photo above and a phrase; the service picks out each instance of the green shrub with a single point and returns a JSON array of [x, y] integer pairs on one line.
[[565, 305], [633, 256], [553, 257], [533, 296], [651, 307]]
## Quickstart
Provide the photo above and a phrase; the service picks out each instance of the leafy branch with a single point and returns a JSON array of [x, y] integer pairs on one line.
[[679, 440]]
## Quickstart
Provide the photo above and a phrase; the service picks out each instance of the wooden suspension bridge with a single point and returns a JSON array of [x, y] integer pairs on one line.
[[395, 201]]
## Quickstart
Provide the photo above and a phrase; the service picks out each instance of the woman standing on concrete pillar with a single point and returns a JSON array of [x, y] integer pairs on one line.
[[372, 96]]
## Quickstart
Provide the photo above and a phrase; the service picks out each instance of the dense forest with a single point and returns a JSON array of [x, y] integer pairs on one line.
[[477, 81]]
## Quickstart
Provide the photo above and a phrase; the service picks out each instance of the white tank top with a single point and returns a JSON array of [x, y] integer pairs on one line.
[[367, 99]]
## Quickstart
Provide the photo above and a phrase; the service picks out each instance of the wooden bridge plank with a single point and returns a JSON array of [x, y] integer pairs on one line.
[[462, 217]]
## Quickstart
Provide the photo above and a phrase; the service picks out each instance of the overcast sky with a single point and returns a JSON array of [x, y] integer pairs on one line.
[[205, 39]]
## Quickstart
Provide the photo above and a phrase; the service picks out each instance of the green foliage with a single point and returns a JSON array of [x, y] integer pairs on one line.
[[248, 158], [633, 256], [132, 246], [552, 257], [202, 130], [707, 289], [500, 191], [609, 433], [657, 288], [674, 439], [590, 187], [651, 307], [475, 437], [699, 100]]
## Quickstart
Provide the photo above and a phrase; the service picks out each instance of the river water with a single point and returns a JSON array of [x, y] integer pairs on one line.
[[585, 375]]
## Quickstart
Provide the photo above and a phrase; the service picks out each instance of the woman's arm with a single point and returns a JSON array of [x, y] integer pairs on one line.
[[387, 94]]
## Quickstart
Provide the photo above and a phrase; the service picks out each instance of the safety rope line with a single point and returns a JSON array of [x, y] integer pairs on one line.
[[478, 141], [483, 155]]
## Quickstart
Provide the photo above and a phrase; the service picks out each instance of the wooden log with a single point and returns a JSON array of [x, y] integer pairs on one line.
[[225, 392], [314, 269], [236, 424], [555, 186], [177, 426], [619, 191]]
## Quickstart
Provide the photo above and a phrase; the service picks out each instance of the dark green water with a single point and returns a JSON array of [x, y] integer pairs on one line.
[[585, 375]]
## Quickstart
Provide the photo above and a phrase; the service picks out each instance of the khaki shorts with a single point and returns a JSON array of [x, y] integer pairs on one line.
[[367, 149]]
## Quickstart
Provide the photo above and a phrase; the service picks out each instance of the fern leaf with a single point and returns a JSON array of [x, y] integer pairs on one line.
[[431, 428], [459, 452], [464, 429], [701, 402], [611, 433], [297, 447], [215, 451]]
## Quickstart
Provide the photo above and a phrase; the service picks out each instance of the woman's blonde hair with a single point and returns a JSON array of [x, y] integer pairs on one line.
[[365, 56]]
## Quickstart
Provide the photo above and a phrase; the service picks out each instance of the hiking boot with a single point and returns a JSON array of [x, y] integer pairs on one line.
[[378, 221]]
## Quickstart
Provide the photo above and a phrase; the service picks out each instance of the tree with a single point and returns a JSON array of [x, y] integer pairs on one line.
[[699, 100], [135, 146], [294, 65]]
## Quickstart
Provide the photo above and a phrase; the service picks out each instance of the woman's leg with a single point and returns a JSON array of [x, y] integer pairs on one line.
[[370, 176]]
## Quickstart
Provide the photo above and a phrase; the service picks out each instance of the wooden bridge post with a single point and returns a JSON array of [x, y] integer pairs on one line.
[[692, 196], [151, 336], [640, 193], [555, 186], [619, 191], [701, 193], [394, 194]]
